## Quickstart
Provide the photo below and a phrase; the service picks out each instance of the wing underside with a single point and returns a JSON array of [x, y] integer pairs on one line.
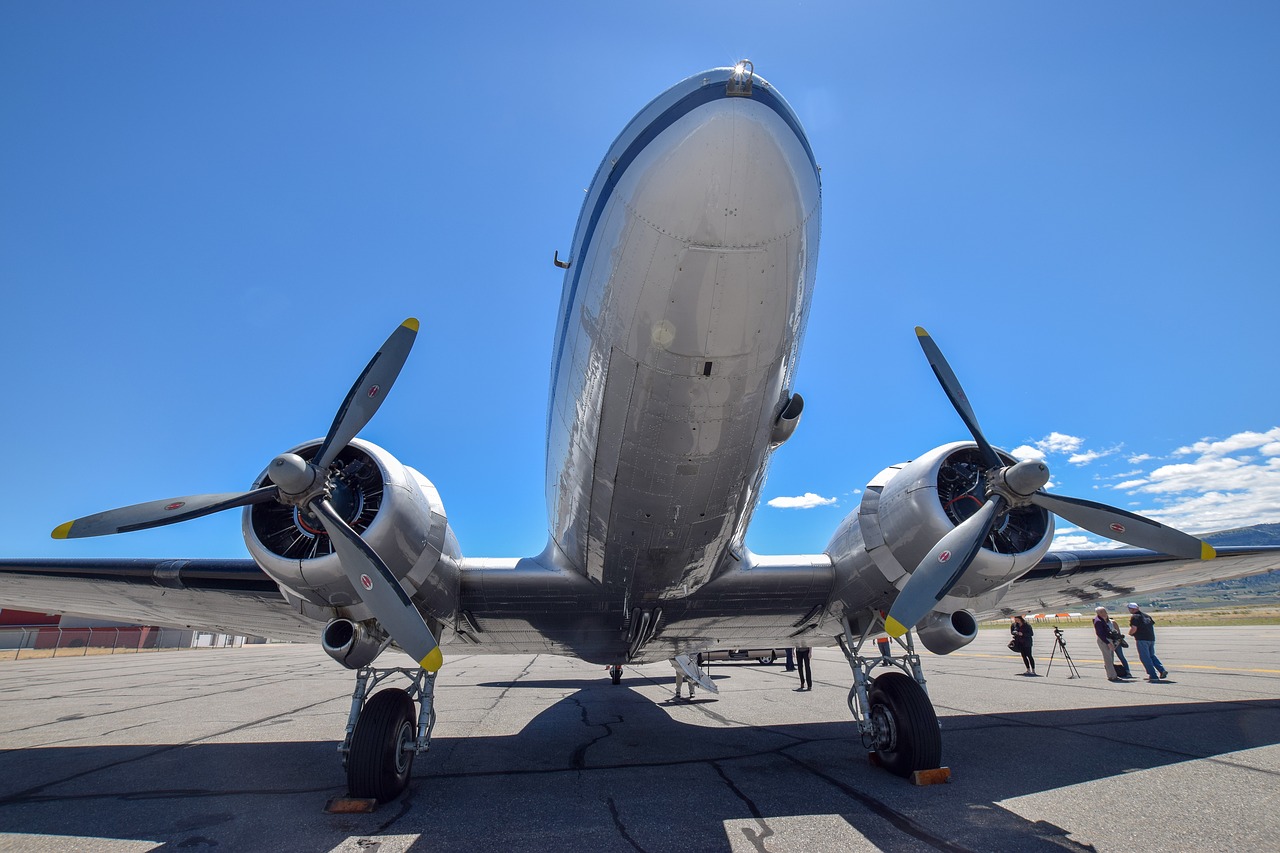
[[782, 596], [1066, 580], [229, 596]]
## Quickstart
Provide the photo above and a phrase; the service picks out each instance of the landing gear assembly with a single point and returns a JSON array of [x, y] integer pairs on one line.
[[893, 712], [385, 732]]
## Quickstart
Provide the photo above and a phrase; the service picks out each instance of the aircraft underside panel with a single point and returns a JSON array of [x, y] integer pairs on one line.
[[683, 308]]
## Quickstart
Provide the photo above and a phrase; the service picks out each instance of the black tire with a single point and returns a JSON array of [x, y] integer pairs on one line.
[[615, 674], [768, 659], [377, 767], [908, 738]]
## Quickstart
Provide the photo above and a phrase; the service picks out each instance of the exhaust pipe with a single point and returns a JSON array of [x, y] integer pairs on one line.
[[351, 643]]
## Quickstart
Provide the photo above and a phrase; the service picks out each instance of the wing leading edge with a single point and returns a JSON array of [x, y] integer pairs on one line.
[[1066, 579], [229, 596]]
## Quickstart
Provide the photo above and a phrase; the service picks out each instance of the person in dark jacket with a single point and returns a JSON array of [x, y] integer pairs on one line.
[[1022, 639], [1117, 639], [1102, 632], [1143, 630], [804, 663]]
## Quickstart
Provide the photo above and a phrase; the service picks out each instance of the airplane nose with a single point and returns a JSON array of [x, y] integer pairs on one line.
[[729, 174]]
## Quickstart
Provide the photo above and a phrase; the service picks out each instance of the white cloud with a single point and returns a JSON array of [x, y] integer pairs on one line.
[[1139, 458], [1214, 490], [1056, 442], [1025, 452], [806, 501], [1081, 542], [1085, 458], [1239, 441]]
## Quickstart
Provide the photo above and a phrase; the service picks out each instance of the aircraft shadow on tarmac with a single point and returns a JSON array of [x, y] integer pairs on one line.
[[607, 765]]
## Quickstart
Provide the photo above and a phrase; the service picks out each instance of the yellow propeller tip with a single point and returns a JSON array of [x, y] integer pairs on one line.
[[433, 661], [1207, 552], [61, 531], [921, 333], [894, 627], [411, 324]]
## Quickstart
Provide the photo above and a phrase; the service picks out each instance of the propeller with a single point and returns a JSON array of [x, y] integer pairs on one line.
[[308, 485], [1009, 487]]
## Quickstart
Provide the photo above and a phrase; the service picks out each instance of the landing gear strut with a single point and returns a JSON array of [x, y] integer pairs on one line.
[[384, 733], [894, 715]]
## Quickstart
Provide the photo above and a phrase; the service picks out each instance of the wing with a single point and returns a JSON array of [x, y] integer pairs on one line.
[[229, 596], [1070, 579]]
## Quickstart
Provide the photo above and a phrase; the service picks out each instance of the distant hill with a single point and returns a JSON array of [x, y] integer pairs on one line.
[[1258, 534], [1255, 589]]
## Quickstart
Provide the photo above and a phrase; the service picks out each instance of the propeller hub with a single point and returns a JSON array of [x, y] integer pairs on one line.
[[1026, 478], [296, 477]]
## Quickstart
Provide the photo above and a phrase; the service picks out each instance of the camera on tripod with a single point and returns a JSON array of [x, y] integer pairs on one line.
[[1060, 643]]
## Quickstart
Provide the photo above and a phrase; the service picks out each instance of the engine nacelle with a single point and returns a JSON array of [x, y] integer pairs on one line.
[[906, 510], [943, 633], [393, 507], [352, 644]]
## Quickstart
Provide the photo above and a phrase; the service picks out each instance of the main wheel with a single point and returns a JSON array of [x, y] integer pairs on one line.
[[382, 746], [907, 736], [615, 674]]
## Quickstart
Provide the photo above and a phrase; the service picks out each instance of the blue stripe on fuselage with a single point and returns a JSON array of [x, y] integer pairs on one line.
[[697, 98]]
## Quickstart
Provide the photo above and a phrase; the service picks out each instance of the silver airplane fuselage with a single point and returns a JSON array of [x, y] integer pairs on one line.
[[680, 322]]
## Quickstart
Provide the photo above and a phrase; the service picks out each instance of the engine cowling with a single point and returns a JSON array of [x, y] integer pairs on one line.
[[905, 511], [394, 508]]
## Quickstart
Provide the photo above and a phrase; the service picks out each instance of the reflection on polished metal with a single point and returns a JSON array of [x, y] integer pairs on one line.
[[673, 364]]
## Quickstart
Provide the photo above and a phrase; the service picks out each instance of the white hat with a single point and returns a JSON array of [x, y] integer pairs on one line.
[[1132, 605]]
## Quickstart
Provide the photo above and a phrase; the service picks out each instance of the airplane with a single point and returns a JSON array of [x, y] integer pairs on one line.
[[685, 298]]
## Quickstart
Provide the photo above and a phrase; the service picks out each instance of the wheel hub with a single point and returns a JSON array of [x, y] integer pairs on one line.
[[885, 729]]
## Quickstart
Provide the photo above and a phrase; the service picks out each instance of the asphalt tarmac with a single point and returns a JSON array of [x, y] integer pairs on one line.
[[236, 750]]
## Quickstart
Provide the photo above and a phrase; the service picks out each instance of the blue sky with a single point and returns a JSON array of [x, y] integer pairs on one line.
[[212, 214]]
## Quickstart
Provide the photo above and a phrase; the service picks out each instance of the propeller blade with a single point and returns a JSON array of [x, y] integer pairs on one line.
[[955, 393], [941, 569], [368, 392], [158, 513], [1125, 526], [379, 589]]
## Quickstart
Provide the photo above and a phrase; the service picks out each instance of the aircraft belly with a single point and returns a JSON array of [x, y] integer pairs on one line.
[[682, 311]]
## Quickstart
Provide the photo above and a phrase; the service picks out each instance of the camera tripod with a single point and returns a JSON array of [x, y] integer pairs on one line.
[[1059, 643]]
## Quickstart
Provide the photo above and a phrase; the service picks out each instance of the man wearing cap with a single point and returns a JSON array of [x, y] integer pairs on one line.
[[1143, 630]]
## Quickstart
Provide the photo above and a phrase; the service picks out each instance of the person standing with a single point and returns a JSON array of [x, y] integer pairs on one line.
[[804, 656], [681, 679], [1102, 633], [1143, 630], [1022, 639], [1117, 639]]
